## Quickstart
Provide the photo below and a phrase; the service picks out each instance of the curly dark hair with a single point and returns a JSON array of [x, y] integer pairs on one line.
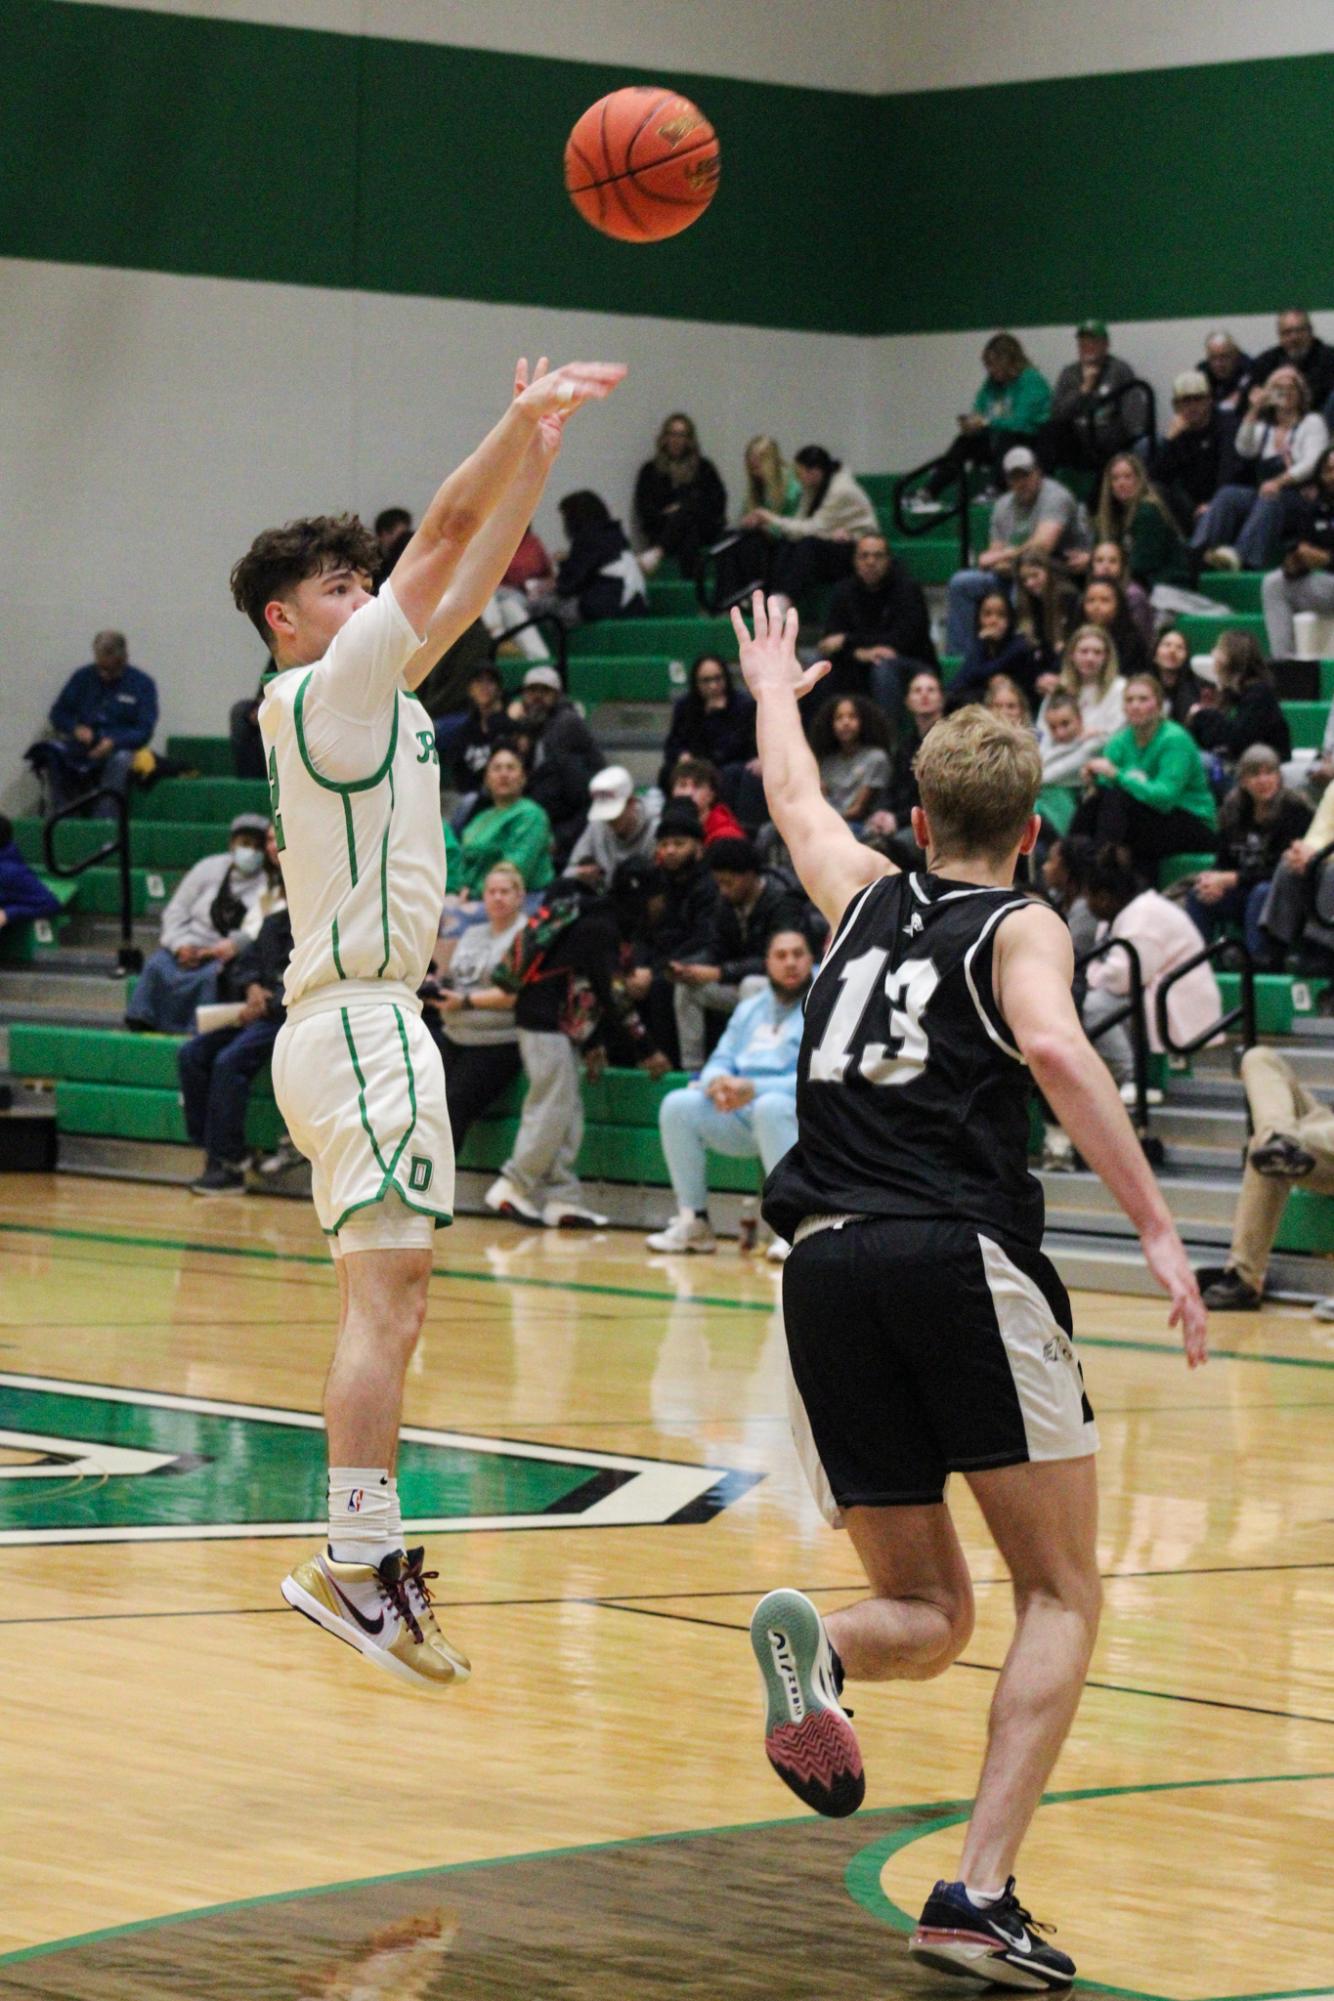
[[281, 558], [874, 723]]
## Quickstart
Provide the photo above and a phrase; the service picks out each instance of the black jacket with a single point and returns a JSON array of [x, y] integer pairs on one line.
[[1312, 521], [685, 929], [1255, 717], [721, 736], [564, 758], [893, 613], [581, 575], [705, 498], [1191, 468], [1254, 848], [739, 944], [264, 961], [472, 747], [1238, 385]]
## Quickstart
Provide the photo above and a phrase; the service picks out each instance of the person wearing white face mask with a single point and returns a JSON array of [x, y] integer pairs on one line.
[[203, 926]]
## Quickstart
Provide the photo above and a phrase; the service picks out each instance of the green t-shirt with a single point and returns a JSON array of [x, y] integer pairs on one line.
[[1165, 773]]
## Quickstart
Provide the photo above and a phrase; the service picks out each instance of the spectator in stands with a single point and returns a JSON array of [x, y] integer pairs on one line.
[[1065, 874], [1045, 608], [478, 1038], [1151, 794], [217, 1069], [1250, 711], [772, 492], [562, 756], [1065, 751], [877, 627], [1036, 516], [1006, 699], [23, 894], [1181, 684], [486, 723], [1304, 580], [996, 647], [697, 780], [568, 998], [1165, 940], [814, 545], [753, 904], [505, 826], [1292, 1141], [1091, 676], [620, 829], [680, 502], [203, 928], [714, 720], [851, 740], [1282, 438], [1133, 514], [1300, 909], [1104, 603], [770, 482], [1010, 408], [677, 926], [744, 1102], [529, 580], [103, 716], [1257, 823], [1193, 455], [1107, 564], [891, 825], [444, 692], [1091, 417], [393, 532], [1299, 348], [1230, 372], [599, 576]]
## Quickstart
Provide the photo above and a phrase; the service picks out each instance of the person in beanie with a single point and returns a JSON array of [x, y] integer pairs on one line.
[[753, 904], [682, 926]]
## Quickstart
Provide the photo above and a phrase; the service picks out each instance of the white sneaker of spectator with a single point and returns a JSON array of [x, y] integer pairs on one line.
[[686, 1232], [505, 1199], [1152, 1096], [779, 1251], [572, 1216]]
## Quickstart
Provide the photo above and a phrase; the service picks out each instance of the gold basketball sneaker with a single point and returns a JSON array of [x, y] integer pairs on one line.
[[384, 1612]]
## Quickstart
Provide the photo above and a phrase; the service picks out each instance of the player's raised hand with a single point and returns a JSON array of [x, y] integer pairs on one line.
[[558, 392], [1165, 1255], [769, 656]]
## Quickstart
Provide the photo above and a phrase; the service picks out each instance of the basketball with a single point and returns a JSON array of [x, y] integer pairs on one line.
[[642, 164]]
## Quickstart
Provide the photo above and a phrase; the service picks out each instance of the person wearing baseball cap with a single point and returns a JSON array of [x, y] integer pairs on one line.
[[203, 926], [563, 756], [1089, 422], [1035, 515], [620, 828], [1189, 462]]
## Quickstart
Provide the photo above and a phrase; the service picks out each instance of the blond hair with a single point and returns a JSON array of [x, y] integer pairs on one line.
[[511, 873], [1107, 673], [768, 486], [978, 778]]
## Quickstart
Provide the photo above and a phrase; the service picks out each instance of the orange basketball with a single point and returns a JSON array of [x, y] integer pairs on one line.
[[642, 164]]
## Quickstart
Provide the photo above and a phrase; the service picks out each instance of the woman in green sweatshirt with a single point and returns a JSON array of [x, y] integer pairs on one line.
[[509, 829], [1150, 792]]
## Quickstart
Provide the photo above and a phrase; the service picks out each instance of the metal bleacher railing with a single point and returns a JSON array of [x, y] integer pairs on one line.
[[129, 959], [554, 631], [1131, 1012], [1243, 1013]]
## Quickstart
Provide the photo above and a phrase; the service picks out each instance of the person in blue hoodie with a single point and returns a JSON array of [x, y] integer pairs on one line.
[[744, 1101], [22, 893], [105, 712]]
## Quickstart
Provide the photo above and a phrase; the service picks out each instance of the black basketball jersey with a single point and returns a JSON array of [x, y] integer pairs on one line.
[[912, 1099]]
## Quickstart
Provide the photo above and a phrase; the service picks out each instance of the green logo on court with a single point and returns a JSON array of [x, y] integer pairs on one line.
[[419, 1176], [80, 1462]]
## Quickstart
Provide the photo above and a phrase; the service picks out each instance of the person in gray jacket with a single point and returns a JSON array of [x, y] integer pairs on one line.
[[621, 828], [202, 928], [1089, 422]]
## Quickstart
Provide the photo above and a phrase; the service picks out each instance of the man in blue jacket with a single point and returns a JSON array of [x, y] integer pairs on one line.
[[22, 894], [105, 712], [744, 1102]]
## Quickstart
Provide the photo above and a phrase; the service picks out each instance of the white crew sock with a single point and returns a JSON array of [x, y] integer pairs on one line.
[[365, 1524], [982, 1897]]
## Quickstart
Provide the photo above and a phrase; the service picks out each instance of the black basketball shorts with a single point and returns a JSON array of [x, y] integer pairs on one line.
[[924, 1348]]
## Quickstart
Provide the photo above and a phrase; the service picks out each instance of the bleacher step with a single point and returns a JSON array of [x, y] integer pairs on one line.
[[55, 995], [1201, 1200], [1088, 1262]]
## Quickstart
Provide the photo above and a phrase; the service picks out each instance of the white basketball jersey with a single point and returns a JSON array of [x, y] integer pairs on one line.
[[355, 782]]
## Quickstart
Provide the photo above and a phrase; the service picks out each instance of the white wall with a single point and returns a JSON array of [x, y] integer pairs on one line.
[[155, 423]]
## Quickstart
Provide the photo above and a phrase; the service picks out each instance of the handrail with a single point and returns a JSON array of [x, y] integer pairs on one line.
[[1133, 1011], [909, 525], [1243, 1012], [547, 621], [706, 587], [128, 958]]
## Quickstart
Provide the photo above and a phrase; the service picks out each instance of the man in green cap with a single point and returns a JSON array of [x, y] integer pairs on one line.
[[1088, 424]]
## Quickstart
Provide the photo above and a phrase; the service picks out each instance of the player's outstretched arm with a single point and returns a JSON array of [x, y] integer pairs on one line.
[[831, 862], [471, 495], [1033, 972]]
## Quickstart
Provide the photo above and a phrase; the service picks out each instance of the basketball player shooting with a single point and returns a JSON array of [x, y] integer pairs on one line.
[[355, 784], [908, 1201]]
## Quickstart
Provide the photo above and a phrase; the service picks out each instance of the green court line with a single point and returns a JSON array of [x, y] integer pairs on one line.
[[862, 1876], [947, 1813], [266, 1255]]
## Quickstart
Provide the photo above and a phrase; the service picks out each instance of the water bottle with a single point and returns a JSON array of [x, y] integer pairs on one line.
[[748, 1229]]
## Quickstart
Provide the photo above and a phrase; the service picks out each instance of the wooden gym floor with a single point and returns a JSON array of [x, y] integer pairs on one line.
[[600, 1437]]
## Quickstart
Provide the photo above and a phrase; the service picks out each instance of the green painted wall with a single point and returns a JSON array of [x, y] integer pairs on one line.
[[165, 142]]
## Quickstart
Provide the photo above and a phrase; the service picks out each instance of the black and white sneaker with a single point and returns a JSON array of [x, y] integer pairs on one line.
[[996, 1943], [808, 1738]]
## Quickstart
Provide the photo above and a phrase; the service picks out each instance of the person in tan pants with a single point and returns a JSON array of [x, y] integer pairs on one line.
[[1294, 1141]]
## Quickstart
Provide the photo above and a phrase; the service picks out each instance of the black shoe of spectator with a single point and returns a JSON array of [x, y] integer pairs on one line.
[[219, 1181], [1231, 1294], [1282, 1158]]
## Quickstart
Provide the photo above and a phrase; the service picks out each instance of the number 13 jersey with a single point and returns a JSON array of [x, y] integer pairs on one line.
[[912, 1098]]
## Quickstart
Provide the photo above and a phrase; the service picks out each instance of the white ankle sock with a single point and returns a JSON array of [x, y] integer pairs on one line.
[[365, 1524], [982, 1897]]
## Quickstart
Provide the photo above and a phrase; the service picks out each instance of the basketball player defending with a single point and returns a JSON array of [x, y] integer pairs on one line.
[[927, 1332], [355, 782]]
